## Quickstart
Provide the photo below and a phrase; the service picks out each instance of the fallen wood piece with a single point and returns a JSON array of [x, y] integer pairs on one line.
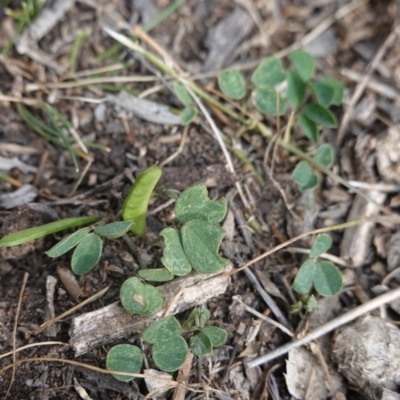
[[113, 322]]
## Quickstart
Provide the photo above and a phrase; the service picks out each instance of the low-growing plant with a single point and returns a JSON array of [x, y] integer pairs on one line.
[[315, 272], [169, 347], [275, 90]]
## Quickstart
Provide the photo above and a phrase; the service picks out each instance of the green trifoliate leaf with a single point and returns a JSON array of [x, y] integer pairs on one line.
[[169, 355], [156, 274], [183, 95], [200, 344], [304, 177], [67, 243], [304, 279], [217, 335], [323, 93], [139, 298], [232, 84], [296, 88], [325, 155], [327, 278], [124, 358], [201, 241], [174, 260], [269, 73], [194, 203], [311, 304], [87, 254], [137, 201], [163, 329], [338, 90], [188, 115], [309, 128], [268, 101], [320, 115], [26, 235], [304, 63], [322, 243], [114, 229]]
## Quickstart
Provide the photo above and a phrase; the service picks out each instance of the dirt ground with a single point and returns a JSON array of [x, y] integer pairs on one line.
[[201, 37]]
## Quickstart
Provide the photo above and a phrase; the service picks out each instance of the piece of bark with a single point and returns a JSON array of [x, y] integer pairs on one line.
[[356, 243], [368, 355], [113, 322], [223, 38], [51, 282]]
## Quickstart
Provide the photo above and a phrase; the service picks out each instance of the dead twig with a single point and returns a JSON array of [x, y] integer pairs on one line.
[[328, 327]]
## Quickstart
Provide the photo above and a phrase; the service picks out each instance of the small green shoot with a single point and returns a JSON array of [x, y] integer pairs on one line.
[[323, 275], [137, 202], [26, 235], [188, 115]]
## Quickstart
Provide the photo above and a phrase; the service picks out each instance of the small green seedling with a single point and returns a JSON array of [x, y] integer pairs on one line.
[[323, 275], [169, 349], [189, 113], [309, 99]]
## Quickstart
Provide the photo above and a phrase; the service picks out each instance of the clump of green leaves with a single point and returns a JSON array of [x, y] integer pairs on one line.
[[195, 245], [315, 272], [169, 348], [309, 98]]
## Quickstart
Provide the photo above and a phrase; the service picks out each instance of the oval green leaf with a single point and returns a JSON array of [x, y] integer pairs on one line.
[[188, 115], [67, 243], [87, 254], [304, 279], [156, 274], [320, 115], [193, 203], [266, 101], [114, 229], [322, 243], [124, 358], [232, 84], [183, 95], [304, 177], [137, 201], [163, 329], [217, 335], [201, 241], [304, 63], [325, 155], [296, 88], [169, 355], [139, 298], [26, 235], [200, 344], [338, 90], [309, 128], [323, 94], [174, 260], [269, 73], [328, 280]]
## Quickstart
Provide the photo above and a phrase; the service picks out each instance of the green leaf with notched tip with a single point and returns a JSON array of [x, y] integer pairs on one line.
[[156, 274], [169, 355], [296, 88], [201, 241], [162, 329], [304, 63], [320, 115], [323, 93], [232, 84], [328, 280], [114, 229], [309, 128], [200, 344], [188, 115], [338, 90], [67, 243], [322, 243], [269, 73], [194, 203], [304, 279], [304, 177], [140, 298], [217, 335], [174, 260], [124, 358], [87, 254], [325, 155], [268, 101], [26, 235]]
